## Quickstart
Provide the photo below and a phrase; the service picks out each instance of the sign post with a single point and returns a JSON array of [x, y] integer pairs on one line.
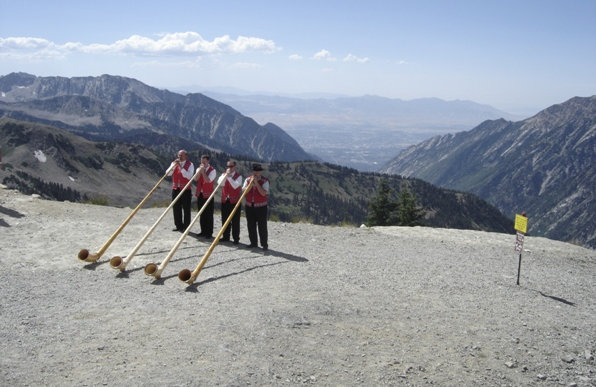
[[521, 226]]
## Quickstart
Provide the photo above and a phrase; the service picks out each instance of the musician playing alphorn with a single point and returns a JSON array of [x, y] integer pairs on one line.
[[205, 182], [255, 207], [230, 193], [182, 173]]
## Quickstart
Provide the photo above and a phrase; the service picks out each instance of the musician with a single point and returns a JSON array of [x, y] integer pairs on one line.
[[230, 194], [255, 207], [181, 175], [205, 180]]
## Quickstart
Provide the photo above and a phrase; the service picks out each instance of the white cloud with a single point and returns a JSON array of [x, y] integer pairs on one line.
[[354, 58], [173, 44], [246, 65], [27, 48], [295, 57], [168, 64], [15, 43], [323, 55]]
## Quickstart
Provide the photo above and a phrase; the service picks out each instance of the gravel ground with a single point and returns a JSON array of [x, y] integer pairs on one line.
[[324, 306]]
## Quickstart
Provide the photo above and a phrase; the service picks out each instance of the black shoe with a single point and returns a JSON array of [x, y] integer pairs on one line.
[[200, 234], [224, 239], [236, 241], [208, 236], [175, 229], [266, 247]]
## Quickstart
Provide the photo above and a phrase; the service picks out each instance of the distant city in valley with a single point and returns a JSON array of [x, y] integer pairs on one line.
[[361, 132]]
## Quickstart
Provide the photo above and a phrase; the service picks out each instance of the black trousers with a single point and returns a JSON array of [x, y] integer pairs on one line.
[[256, 221], [207, 215], [181, 209], [234, 226]]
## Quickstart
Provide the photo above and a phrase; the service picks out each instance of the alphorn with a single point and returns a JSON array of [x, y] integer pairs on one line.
[[152, 269], [118, 262], [190, 277], [84, 253]]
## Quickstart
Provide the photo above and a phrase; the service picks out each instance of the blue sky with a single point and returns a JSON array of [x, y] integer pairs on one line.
[[519, 56]]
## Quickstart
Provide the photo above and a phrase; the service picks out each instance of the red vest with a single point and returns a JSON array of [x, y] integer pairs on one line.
[[254, 197], [179, 181], [207, 188], [227, 192]]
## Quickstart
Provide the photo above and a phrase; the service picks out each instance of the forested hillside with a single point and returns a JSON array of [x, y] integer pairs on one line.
[[62, 166]]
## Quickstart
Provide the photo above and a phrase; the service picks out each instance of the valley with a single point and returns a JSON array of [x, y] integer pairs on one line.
[[361, 132]]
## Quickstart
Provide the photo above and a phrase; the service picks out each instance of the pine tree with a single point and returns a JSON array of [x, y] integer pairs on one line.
[[408, 213], [385, 211], [382, 209]]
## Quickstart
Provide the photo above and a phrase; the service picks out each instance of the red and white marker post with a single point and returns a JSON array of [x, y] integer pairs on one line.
[[521, 226]]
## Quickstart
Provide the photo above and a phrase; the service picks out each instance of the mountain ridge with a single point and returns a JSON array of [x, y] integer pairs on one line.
[[543, 165], [117, 104]]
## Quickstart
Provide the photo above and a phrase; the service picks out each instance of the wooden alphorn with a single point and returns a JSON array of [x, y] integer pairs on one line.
[[84, 253], [118, 262], [186, 275], [154, 270]]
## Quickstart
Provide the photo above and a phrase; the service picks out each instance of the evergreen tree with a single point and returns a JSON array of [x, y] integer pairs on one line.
[[382, 208], [408, 213]]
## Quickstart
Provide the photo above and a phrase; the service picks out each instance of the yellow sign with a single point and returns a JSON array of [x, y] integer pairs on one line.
[[521, 223]]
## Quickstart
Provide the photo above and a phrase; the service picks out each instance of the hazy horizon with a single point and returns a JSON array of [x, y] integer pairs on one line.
[[519, 57]]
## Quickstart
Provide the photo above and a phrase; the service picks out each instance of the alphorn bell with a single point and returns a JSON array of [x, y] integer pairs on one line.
[[152, 268], [186, 275], [118, 262], [84, 253]]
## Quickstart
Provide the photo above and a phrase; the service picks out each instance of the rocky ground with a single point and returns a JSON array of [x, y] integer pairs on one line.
[[324, 306]]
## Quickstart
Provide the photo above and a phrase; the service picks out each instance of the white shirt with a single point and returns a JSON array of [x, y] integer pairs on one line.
[[187, 174], [235, 183], [212, 175]]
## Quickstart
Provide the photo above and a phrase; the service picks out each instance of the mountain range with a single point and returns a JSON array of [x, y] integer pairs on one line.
[[113, 108], [60, 165], [544, 166], [113, 137], [361, 132]]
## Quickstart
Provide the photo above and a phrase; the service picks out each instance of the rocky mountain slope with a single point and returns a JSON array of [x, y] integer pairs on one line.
[[60, 165], [544, 165], [112, 108], [56, 164]]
